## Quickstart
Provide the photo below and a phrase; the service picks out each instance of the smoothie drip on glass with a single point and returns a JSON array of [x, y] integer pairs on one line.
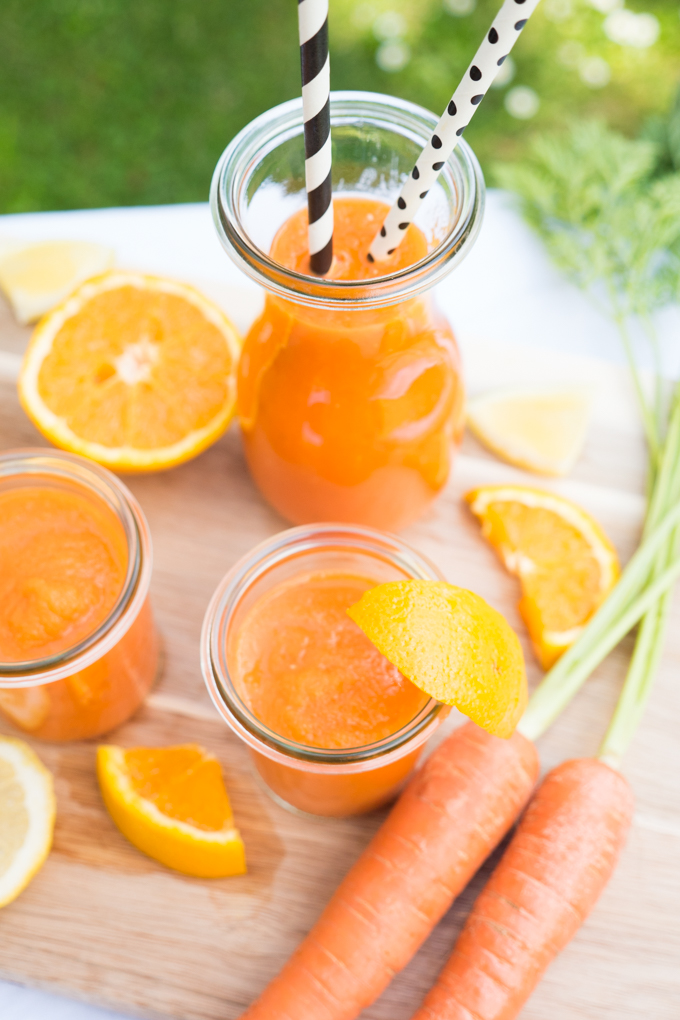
[[350, 414]]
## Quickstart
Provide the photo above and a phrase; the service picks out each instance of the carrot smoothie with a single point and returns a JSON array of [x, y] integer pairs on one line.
[[63, 561], [64, 558], [332, 726], [350, 415], [309, 673]]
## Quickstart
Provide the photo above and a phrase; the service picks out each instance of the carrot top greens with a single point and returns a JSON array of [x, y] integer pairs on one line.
[[609, 214]]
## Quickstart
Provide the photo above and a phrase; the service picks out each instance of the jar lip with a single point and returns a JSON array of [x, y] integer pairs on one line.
[[274, 551], [285, 121], [103, 484]]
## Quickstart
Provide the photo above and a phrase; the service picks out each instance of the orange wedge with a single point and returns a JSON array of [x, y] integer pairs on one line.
[[171, 803], [136, 372], [450, 644], [566, 564]]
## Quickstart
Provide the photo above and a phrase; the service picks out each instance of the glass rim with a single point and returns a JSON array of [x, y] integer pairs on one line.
[[282, 122], [234, 586], [77, 471]]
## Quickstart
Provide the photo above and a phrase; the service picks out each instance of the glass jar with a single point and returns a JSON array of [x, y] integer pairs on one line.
[[350, 395], [318, 781], [92, 687]]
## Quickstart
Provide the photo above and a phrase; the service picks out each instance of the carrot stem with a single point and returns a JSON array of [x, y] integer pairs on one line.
[[647, 578], [547, 702]]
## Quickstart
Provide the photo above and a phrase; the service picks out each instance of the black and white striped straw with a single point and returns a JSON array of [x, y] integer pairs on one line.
[[500, 39], [316, 112]]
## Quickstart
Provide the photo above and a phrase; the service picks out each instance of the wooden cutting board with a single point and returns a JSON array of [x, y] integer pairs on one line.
[[104, 923]]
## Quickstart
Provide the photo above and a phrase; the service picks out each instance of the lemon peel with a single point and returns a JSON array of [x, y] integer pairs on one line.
[[27, 811]]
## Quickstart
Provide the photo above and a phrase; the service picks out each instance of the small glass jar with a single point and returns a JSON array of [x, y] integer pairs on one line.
[[317, 781], [350, 394], [92, 687]]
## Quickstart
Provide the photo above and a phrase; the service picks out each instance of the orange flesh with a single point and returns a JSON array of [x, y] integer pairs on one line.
[[63, 560], [350, 415], [308, 672], [563, 588], [183, 783], [134, 350]]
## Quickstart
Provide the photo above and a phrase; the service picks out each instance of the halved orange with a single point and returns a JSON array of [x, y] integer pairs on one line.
[[134, 371], [451, 644], [566, 564], [171, 803]]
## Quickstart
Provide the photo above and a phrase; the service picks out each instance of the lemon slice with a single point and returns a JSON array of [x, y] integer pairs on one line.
[[540, 430], [171, 803], [451, 644], [566, 564], [36, 277], [27, 809]]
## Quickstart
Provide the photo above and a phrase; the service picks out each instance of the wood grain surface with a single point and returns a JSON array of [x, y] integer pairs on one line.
[[106, 924]]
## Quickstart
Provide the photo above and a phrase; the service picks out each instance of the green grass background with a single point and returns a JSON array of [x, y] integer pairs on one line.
[[127, 102]]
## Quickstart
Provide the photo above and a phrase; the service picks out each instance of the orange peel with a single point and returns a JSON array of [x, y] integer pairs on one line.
[[451, 644]]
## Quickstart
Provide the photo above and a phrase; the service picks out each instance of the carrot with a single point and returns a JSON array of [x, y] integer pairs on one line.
[[555, 867], [451, 815]]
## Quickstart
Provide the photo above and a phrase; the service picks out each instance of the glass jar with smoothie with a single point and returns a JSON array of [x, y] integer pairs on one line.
[[78, 646], [333, 727], [350, 395]]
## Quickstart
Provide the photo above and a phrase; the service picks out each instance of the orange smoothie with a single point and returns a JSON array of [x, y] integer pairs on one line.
[[63, 566], [350, 415], [307, 671], [63, 560]]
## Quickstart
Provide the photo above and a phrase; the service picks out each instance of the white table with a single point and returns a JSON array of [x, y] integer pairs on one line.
[[506, 291]]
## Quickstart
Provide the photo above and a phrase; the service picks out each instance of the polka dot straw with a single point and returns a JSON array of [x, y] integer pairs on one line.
[[485, 65], [316, 112]]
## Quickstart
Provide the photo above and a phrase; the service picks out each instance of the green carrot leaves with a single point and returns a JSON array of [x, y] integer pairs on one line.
[[608, 209], [608, 224]]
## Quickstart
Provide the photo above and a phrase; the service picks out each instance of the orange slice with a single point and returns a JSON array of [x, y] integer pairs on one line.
[[171, 803], [136, 372], [566, 564], [450, 644]]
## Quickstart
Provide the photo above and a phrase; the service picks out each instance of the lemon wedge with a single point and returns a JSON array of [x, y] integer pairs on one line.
[[36, 277], [451, 644], [539, 430], [27, 810], [171, 803]]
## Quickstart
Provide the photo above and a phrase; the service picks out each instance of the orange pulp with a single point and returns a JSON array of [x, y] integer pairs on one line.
[[63, 562], [350, 415], [307, 671]]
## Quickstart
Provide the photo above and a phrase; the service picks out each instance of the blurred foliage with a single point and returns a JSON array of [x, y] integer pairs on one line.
[[607, 213], [125, 102]]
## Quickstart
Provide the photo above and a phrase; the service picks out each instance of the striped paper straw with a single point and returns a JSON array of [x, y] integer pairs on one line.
[[316, 112], [486, 62]]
